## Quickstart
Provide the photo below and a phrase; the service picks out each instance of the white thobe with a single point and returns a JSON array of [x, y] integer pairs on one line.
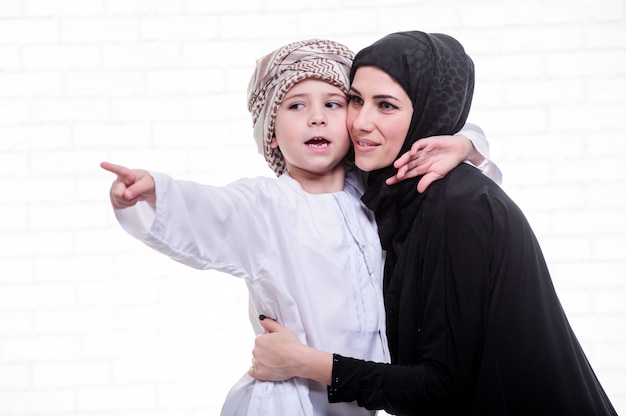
[[313, 262]]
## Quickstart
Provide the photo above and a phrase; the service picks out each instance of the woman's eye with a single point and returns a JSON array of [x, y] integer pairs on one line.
[[384, 105], [355, 100]]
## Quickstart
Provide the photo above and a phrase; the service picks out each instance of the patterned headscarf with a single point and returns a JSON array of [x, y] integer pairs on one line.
[[280, 70]]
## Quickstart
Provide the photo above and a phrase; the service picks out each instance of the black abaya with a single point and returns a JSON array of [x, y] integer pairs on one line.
[[473, 321], [472, 316]]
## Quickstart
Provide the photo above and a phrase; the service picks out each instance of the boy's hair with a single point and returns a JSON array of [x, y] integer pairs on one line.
[[280, 70]]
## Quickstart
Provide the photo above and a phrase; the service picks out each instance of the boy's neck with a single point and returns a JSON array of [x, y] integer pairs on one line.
[[320, 183]]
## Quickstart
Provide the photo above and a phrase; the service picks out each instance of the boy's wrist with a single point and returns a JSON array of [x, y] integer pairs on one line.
[[472, 155]]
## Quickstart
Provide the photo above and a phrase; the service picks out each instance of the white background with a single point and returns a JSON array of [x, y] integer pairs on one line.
[[94, 323]]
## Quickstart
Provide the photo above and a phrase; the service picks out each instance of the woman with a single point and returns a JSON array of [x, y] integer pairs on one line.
[[473, 322], [310, 214]]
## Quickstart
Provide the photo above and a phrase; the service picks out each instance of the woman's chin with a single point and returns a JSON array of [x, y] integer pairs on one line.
[[367, 164]]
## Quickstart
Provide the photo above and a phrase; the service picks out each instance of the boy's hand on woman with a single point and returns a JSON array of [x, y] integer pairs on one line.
[[432, 157]]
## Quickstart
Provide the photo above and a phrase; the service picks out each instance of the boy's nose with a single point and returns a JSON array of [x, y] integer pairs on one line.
[[317, 119]]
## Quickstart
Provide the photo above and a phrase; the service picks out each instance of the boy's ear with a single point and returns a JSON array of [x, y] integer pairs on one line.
[[274, 143]]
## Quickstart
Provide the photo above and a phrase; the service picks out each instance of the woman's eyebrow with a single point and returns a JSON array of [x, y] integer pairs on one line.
[[377, 97], [385, 97]]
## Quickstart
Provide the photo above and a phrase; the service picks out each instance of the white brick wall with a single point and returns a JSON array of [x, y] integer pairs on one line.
[[94, 323]]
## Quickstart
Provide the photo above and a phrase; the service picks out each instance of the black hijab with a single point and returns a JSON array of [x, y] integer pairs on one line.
[[438, 76]]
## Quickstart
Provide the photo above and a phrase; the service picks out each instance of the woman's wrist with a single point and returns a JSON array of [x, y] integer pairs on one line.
[[315, 365]]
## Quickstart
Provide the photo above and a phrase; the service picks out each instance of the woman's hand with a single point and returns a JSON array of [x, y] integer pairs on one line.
[[279, 355], [433, 157], [272, 353]]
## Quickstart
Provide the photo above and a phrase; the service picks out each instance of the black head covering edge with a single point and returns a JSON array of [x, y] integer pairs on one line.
[[436, 74]]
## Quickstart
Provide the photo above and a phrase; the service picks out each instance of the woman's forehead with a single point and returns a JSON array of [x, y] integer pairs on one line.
[[375, 81]]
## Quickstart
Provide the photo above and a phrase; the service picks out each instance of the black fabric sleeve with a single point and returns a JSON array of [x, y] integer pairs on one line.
[[395, 388]]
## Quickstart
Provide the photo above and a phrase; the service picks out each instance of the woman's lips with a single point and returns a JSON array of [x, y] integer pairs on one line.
[[364, 145]]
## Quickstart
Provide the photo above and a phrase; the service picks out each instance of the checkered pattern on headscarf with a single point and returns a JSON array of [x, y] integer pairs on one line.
[[280, 70]]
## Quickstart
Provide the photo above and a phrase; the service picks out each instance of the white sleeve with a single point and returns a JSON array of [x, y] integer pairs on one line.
[[479, 140], [201, 226], [136, 220]]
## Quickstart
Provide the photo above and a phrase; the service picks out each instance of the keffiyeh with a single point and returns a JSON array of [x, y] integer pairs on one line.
[[280, 70]]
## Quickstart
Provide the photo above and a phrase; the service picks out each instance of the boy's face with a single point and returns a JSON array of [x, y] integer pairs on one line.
[[310, 128]]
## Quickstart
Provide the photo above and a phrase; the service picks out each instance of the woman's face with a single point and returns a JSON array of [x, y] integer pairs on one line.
[[379, 114]]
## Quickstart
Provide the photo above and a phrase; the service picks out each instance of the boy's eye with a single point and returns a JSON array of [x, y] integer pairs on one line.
[[295, 106]]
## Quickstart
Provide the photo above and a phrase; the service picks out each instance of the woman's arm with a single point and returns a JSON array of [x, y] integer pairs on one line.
[[279, 355]]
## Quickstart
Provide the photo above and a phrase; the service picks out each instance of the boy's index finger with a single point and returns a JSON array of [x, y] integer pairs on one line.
[[123, 173]]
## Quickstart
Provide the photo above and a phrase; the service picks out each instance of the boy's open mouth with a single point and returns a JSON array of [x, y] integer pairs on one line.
[[317, 142]]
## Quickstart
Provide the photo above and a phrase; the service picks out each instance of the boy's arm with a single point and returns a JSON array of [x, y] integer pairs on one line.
[[479, 155], [433, 157], [202, 226]]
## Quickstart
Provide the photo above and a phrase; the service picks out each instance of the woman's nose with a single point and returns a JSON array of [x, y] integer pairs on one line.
[[361, 121]]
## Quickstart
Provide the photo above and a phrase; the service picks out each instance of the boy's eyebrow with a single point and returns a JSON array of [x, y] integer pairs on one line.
[[306, 94], [337, 94], [302, 94]]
